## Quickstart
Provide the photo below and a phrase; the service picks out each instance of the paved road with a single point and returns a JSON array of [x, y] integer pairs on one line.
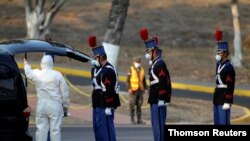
[[86, 134]]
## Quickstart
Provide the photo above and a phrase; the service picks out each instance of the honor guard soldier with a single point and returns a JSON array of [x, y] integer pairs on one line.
[[225, 81], [160, 85], [96, 93], [105, 96]]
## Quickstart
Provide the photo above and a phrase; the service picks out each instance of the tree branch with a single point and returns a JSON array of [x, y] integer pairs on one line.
[[28, 7], [39, 6], [54, 9]]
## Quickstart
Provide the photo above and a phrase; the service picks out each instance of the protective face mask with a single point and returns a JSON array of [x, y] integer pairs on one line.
[[217, 57], [95, 63], [150, 62], [137, 65], [147, 56]]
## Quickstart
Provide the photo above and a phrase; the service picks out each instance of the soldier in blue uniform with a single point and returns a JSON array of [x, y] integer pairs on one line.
[[160, 86], [96, 97], [105, 98], [225, 82], [96, 93]]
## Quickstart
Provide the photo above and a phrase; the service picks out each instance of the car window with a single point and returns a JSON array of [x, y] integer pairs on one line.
[[7, 82]]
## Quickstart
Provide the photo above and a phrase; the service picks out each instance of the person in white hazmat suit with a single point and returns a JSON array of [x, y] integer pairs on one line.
[[52, 99]]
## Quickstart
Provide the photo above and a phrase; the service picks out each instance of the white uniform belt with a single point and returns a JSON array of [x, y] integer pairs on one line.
[[221, 86], [97, 88], [154, 82]]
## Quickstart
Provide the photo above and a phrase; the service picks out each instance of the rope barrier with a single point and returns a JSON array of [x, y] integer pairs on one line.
[[123, 98], [84, 94], [76, 89], [80, 107]]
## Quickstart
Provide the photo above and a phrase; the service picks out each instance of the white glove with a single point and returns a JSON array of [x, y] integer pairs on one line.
[[25, 62], [226, 106], [161, 103], [108, 111]]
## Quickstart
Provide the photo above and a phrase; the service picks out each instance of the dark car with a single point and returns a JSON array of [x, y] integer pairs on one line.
[[13, 96]]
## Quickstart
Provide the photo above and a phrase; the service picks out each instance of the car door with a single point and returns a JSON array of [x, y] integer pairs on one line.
[[13, 100]]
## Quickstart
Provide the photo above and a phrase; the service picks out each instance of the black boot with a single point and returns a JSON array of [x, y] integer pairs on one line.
[[133, 120], [139, 120]]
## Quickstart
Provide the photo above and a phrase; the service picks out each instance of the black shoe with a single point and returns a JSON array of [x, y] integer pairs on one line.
[[141, 122], [133, 122]]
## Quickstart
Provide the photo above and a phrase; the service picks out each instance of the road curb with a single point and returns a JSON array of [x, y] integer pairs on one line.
[[243, 119]]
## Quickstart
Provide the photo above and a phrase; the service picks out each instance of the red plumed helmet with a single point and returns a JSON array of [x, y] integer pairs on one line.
[[92, 41], [218, 35], [156, 40], [144, 34]]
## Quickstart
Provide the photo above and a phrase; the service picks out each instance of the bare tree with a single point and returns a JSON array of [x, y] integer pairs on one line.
[[113, 34], [38, 18], [237, 58]]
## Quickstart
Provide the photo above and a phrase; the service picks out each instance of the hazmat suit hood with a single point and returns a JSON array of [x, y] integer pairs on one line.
[[47, 62]]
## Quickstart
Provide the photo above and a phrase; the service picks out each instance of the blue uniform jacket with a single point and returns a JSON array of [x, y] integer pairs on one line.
[[160, 82], [225, 77]]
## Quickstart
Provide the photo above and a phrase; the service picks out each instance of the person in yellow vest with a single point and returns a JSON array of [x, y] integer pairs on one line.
[[137, 86]]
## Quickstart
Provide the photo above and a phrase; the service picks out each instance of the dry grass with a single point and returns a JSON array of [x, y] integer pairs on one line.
[[185, 29]]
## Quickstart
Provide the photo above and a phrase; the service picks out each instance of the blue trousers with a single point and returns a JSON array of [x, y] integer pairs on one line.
[[221, 117], [158, 120], [107, 125], [97, 123]]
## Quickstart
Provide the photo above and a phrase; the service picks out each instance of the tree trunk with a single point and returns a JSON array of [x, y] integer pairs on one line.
[[38, 19], [237, 58], [113, 34], [33, 24]]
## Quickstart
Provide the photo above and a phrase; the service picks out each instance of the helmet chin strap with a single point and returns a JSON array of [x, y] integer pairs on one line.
[[99, 60], [152, 54]]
